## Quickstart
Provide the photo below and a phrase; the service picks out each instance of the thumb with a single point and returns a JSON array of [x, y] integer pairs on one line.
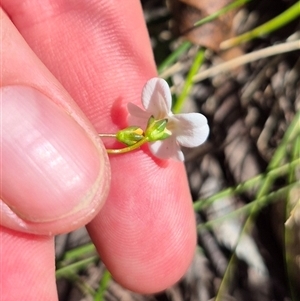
[[54, 169]]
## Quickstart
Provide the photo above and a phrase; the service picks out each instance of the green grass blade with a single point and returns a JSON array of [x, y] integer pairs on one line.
[[291, 134], [221, 12], [173, 56], [279, 21], [247, 185], [264, 193], [199, 58], [79, 252], [280, 154], [74, 267], [257, 204], [106, 278], [290, 229]]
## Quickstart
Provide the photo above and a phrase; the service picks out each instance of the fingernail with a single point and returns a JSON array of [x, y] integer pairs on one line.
[[49, 164]]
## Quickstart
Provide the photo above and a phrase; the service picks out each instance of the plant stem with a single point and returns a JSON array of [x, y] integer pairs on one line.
[[173, 56], [198, 60], [245, 59], [279, 21], [128, 148], [103, 285], [107, 135], [249, 184], [73, 268], [221, 12], [248, 209]]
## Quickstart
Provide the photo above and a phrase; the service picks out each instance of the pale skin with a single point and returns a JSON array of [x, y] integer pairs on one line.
[[90, 58]]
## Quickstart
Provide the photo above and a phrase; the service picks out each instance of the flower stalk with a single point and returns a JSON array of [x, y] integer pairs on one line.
[[128, 148]]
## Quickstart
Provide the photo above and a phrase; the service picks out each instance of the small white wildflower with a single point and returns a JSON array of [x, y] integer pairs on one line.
[[189, 130]]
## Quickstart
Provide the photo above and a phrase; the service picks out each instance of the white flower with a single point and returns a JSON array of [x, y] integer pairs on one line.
[[189, 130]]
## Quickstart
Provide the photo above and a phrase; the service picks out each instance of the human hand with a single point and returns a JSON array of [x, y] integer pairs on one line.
[[96, 56]]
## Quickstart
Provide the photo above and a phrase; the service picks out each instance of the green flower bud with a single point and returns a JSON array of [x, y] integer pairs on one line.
[[130, 135], [157, 129]]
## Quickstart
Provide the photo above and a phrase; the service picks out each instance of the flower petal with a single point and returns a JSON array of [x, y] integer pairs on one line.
[[137, 116], [157, 98], [191, 129], [136, 111], [165, 149]]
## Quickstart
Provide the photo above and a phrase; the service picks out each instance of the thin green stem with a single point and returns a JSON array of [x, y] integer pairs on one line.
[[220, 12], [199, 58], [257, 204], [281, 152], [78, 253], [103, 285], [128, 148], [264, 193], [173, 56], [279, 21], [291, 133], [274, 173], [289, 231], [71, 269]]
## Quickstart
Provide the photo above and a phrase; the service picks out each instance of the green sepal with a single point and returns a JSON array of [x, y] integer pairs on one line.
[[130, 135], [157, 129]]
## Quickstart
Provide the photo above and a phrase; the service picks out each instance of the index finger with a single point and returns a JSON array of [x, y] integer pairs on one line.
[[100, 52]]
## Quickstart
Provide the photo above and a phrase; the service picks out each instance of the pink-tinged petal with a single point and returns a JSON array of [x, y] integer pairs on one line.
[[157, 98], [136, 111], [191, 129], [137, 116], [166, 149]]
